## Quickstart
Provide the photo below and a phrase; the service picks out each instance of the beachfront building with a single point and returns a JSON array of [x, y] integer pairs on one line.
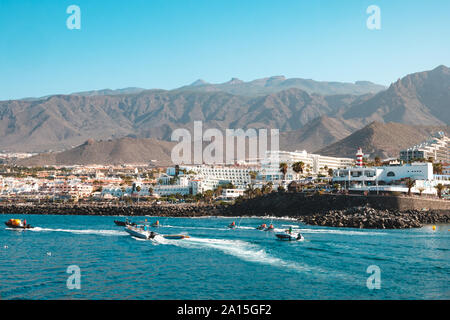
[[314, 164], [436, 147], [231, 194], [390, 178], [214, 175]]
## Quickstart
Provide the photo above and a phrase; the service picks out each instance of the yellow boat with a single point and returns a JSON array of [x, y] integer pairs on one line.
[[17, 224]]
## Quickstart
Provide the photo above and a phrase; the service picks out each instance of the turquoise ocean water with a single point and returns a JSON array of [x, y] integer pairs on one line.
[[219, 263]]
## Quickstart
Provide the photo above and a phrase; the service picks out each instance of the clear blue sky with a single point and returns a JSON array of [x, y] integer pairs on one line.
[[168, 43]]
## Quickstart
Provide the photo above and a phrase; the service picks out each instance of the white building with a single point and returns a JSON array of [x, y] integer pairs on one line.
[[314, 164], [390, 178], [436, 147], [213, 176], [230, 194]]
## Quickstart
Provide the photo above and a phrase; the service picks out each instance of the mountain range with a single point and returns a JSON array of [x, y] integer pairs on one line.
[[310, 118]]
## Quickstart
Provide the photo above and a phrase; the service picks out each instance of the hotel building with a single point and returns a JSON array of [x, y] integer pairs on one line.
[[436, 147], [314, 164]]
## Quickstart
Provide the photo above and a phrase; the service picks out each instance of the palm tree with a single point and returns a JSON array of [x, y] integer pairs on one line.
[[439, 188], [284, 169], [298, 167], [253, 174], [208, 195], [437, 168], [377, 161], [267, 188], [421, 190], [138, 190], [218, 191], [330, 172], [410, 184], [249, 192]]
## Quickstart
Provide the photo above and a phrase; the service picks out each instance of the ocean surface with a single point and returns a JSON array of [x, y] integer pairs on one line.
[[218, 262]]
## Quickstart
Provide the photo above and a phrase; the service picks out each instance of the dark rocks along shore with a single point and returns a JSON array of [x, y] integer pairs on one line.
[[370, 218]]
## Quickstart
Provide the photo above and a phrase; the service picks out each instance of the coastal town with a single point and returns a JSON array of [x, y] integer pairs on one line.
[[422, 170]]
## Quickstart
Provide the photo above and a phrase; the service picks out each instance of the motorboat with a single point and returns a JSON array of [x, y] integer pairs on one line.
[[124, 223], [232, 225], [17, 224], [261, 227], [285, 236], [175, 236], [140, 232]]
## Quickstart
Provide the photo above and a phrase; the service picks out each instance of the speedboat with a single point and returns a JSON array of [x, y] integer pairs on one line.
[[139, 232], [17, 224], [261, 227], [175, 236], [289, 237], [124, 223]]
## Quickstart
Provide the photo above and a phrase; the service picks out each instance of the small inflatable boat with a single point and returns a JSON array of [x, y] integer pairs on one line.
[[289, 237], [175, 236], [17, 224], [140, 233], [261, 227]]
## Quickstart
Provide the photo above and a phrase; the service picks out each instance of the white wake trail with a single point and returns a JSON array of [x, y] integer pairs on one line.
[[85, 231]]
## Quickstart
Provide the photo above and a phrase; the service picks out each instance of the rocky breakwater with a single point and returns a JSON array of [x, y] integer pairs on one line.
[[370, 218], [163, 210]]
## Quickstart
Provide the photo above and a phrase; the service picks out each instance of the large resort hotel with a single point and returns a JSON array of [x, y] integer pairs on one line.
[[436, 148]]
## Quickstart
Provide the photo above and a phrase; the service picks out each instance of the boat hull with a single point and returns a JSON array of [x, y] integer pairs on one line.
[[288, 237], [175, 236], [9, 225], [139, 233], [123, 223]]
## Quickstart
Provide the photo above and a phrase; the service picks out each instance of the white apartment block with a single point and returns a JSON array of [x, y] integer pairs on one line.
[[436, 147], [213, 176], [314, 164]]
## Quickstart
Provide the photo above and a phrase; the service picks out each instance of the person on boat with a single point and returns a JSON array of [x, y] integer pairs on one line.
[[233, 224], [24, 222], [290, 230], [157, 223]]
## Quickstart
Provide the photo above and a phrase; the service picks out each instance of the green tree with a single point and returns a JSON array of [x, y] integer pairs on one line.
[[437, 168], [298, 167], [410, 183], [283, 169], [377, 161], [439, 188]]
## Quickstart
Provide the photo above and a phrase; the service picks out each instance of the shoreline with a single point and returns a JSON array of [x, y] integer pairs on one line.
[[358, 217]]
